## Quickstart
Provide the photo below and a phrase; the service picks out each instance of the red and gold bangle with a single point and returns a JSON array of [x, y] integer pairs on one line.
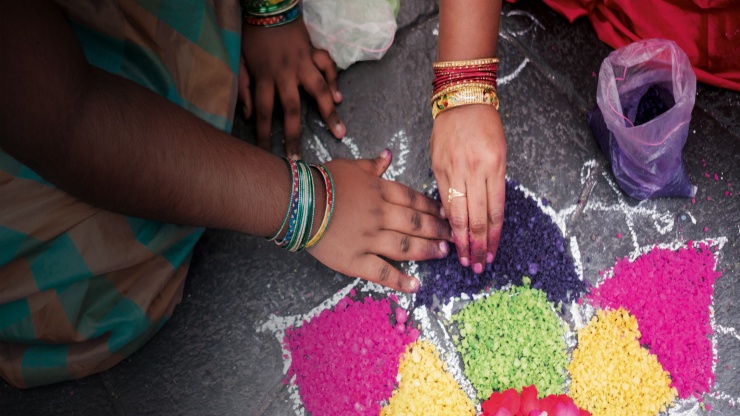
[[458, 83], [463, 95], [329, 210]]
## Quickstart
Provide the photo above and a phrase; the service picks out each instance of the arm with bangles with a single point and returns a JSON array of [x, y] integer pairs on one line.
[[467, 145], [118, 146]]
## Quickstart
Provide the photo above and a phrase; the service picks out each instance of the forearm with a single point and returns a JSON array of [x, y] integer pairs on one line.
[[468, 29], [116, 145]]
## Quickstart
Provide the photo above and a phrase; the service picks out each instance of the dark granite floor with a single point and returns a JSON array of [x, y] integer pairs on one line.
[[210, 360]]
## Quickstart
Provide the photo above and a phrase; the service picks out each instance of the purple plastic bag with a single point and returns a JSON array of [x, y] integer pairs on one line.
[[645, 96]]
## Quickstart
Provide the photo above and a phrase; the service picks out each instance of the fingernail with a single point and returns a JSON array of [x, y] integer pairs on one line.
[[489, 258], [444, 248], [338, 96], [442, 212], [464, 261], [478, 268], [294, 156], [339, 127], [386, 154], [412, 285]]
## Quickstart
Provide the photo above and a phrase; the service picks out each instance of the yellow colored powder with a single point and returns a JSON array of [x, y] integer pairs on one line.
[[612, 375], [426, 387]]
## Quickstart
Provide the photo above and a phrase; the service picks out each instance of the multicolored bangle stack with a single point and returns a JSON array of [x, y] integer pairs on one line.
[[300, 215], [459, 83], [269, 13]]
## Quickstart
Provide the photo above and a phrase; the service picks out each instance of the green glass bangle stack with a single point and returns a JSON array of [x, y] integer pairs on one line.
[[270, 13], [299, 217]]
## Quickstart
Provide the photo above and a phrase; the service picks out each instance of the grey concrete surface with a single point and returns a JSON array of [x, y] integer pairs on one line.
[[209, 359]]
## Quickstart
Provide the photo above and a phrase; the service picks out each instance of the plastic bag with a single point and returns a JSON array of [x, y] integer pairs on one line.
[[351, 30], [645, 96]]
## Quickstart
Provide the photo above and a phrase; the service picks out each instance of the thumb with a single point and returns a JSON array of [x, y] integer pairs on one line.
[[376, 166]]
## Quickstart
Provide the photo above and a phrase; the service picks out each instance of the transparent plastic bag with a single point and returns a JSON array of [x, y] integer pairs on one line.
[[645, 96], [351, 30]]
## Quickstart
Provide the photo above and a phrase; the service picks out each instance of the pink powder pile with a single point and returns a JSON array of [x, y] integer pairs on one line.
[[346, 360], [670, 293]]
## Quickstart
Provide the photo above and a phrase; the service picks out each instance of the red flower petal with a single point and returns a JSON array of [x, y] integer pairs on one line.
[[529, 401], [566, 409], [548, 404], [511, 401]]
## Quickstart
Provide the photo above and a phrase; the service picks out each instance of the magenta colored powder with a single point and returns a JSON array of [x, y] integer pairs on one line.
[[670, 293], [346, 360], [709, 198], [619, 235], [693, 200]]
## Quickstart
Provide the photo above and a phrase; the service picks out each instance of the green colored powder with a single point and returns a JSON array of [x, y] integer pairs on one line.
[[510, 339]]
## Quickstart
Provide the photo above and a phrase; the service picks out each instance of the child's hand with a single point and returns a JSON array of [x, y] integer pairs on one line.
[[281, 59], [375, 219]]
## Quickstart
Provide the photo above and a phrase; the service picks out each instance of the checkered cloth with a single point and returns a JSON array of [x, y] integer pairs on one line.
[[82, 288]]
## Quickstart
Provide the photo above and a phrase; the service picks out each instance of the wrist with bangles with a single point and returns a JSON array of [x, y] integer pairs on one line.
[[270, 13], [299, 218], [458, 83]]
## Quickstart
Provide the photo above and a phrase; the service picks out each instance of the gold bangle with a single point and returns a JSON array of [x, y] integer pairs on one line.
[[463, 96], [472, 62], [460, 84]]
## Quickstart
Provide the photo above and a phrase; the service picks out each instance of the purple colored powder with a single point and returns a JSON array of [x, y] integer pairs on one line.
[[346, 360], [531, 245], [670, 294]]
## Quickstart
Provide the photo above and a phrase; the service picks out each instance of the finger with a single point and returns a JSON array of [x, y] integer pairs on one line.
[[375, 269], [416, 223], [244, 94], [496, 199], [376, 166], [478, 223], [457, 213], [399, 194], [403, 247], [323, 61], [316, 85], [264, 98], [291, 101]]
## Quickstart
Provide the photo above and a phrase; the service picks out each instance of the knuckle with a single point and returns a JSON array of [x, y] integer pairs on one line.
[[458, 221], [416, 221], [442, 228], [405, 244], [292, 109], [321, 86], [385, 274], [496, 218], [411, 196], [478, 226]]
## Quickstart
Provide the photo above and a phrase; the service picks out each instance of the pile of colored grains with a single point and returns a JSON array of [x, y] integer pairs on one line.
[[531, 245], [670, 294], [426, 387], [512, 338], [346, 360], [612, 375]]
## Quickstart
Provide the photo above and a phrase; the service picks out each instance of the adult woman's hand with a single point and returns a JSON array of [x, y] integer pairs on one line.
[[469, 155], [281, 59], [376, 219]]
